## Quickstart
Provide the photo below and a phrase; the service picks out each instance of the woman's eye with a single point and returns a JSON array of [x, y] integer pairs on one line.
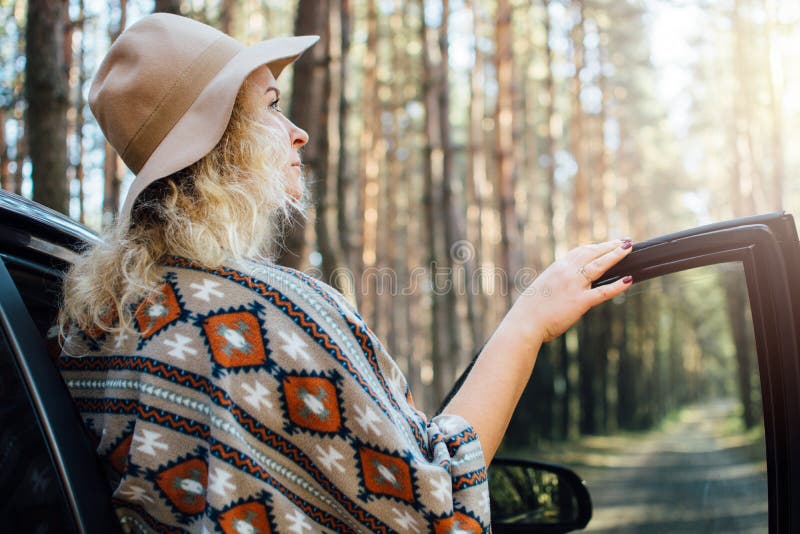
[[275, 107]]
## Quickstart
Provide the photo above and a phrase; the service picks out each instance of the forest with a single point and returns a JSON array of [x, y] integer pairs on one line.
[[458, 147]]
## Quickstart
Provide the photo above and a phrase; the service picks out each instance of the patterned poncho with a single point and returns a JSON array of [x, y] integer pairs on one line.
[[255, 399]]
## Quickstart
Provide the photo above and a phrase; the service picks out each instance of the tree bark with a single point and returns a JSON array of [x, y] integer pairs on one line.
[[752, 176], [580, 198], [17, 111], [775, 94], [586, 378], [564, 363], [310, 90], [370, 169], [602, 191], [46, 93], [549, 140], [21, 155], [167, 6], [344, 181], [227, 15], [476, 188], [435, 235], [113, 166], [5, 167], [451, 205], [390, 316], [743, 204], [504, 146], [80, 105], [626, 371]]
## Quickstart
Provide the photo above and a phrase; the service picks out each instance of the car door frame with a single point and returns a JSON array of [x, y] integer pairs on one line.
[[767, 247], [38, 239]]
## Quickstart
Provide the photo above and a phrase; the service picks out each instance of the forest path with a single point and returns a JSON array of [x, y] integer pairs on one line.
[[693, 475]]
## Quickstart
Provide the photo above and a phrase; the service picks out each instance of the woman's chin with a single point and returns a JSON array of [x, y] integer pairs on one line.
[[295, 188], [295, 192]]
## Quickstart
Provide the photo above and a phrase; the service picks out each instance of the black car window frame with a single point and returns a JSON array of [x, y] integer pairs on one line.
[[76, 464], [767, 248]]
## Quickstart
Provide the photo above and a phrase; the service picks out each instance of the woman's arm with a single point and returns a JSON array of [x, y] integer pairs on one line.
[[545, 310]]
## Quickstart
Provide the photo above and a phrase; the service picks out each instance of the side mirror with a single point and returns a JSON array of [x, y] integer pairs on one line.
[[536, 497]]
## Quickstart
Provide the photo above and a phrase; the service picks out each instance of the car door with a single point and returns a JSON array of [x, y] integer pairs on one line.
[[679, 402], [50, 477]]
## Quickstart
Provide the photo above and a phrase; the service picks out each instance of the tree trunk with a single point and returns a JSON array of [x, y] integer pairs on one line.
[[227, 15], [46, 93], [80, 105], [504, 146], [414, 253], [743, 204], [344, 181], [602, 205], [17, 90], [451, 207], [167, 6], [5, 167], [476, 189], [334, 208], [310, 90], [370, 168], [746, 173], [549, 141], [565, 420], [626, 372], [21, 155], [113, 168], [580, 199], [741, 328], [775, 94], [391, 317], [580, 206], [432, 201], [588, 371], [603, 191]]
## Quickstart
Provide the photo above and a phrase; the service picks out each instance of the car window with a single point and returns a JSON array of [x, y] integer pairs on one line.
[[31, 499], [654, 399], [39, 286]]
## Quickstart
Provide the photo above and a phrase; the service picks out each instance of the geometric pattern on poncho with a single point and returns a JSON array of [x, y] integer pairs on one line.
[[260, 401]]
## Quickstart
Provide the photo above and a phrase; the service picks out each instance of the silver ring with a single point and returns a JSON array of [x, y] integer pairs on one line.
[[582, 270]]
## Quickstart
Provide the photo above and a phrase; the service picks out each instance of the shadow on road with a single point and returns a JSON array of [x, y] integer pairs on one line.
[[699, 473]]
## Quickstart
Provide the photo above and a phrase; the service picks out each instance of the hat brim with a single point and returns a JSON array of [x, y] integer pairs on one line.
[[199, 130]]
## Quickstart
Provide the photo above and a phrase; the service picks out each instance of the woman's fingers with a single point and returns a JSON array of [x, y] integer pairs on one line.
[[595, 268], [609, 291], [587, 253]]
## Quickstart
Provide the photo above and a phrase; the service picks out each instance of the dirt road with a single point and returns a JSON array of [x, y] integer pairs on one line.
[[694, 475]]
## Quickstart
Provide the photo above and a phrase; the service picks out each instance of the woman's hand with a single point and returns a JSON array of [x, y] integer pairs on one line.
[[555, 300], [562, 293]]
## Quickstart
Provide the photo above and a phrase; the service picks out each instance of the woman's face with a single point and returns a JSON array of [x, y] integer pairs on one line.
[[271, 116]]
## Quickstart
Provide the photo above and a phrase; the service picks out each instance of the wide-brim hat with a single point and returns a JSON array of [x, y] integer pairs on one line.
[[165, 92]]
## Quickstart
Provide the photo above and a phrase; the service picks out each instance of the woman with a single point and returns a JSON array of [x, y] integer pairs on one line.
[[227, 393]]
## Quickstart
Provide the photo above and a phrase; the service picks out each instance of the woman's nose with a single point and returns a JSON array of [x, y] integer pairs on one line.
[[298, 135]]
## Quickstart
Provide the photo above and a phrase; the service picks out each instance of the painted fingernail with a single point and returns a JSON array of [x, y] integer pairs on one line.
[[626, 245], [627, 280]]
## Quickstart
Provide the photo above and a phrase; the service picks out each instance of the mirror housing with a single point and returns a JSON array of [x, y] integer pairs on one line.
[[528, 496]]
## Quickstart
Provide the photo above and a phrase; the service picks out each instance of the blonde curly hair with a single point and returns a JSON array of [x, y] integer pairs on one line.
[[231, 205]]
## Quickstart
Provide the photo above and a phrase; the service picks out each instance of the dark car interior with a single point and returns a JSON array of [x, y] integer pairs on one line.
[[51, 473]]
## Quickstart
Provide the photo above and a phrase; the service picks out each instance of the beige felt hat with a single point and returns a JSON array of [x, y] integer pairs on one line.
[[165, 91]]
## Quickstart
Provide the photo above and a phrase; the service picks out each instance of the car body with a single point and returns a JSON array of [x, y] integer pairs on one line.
[[52, 481]]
